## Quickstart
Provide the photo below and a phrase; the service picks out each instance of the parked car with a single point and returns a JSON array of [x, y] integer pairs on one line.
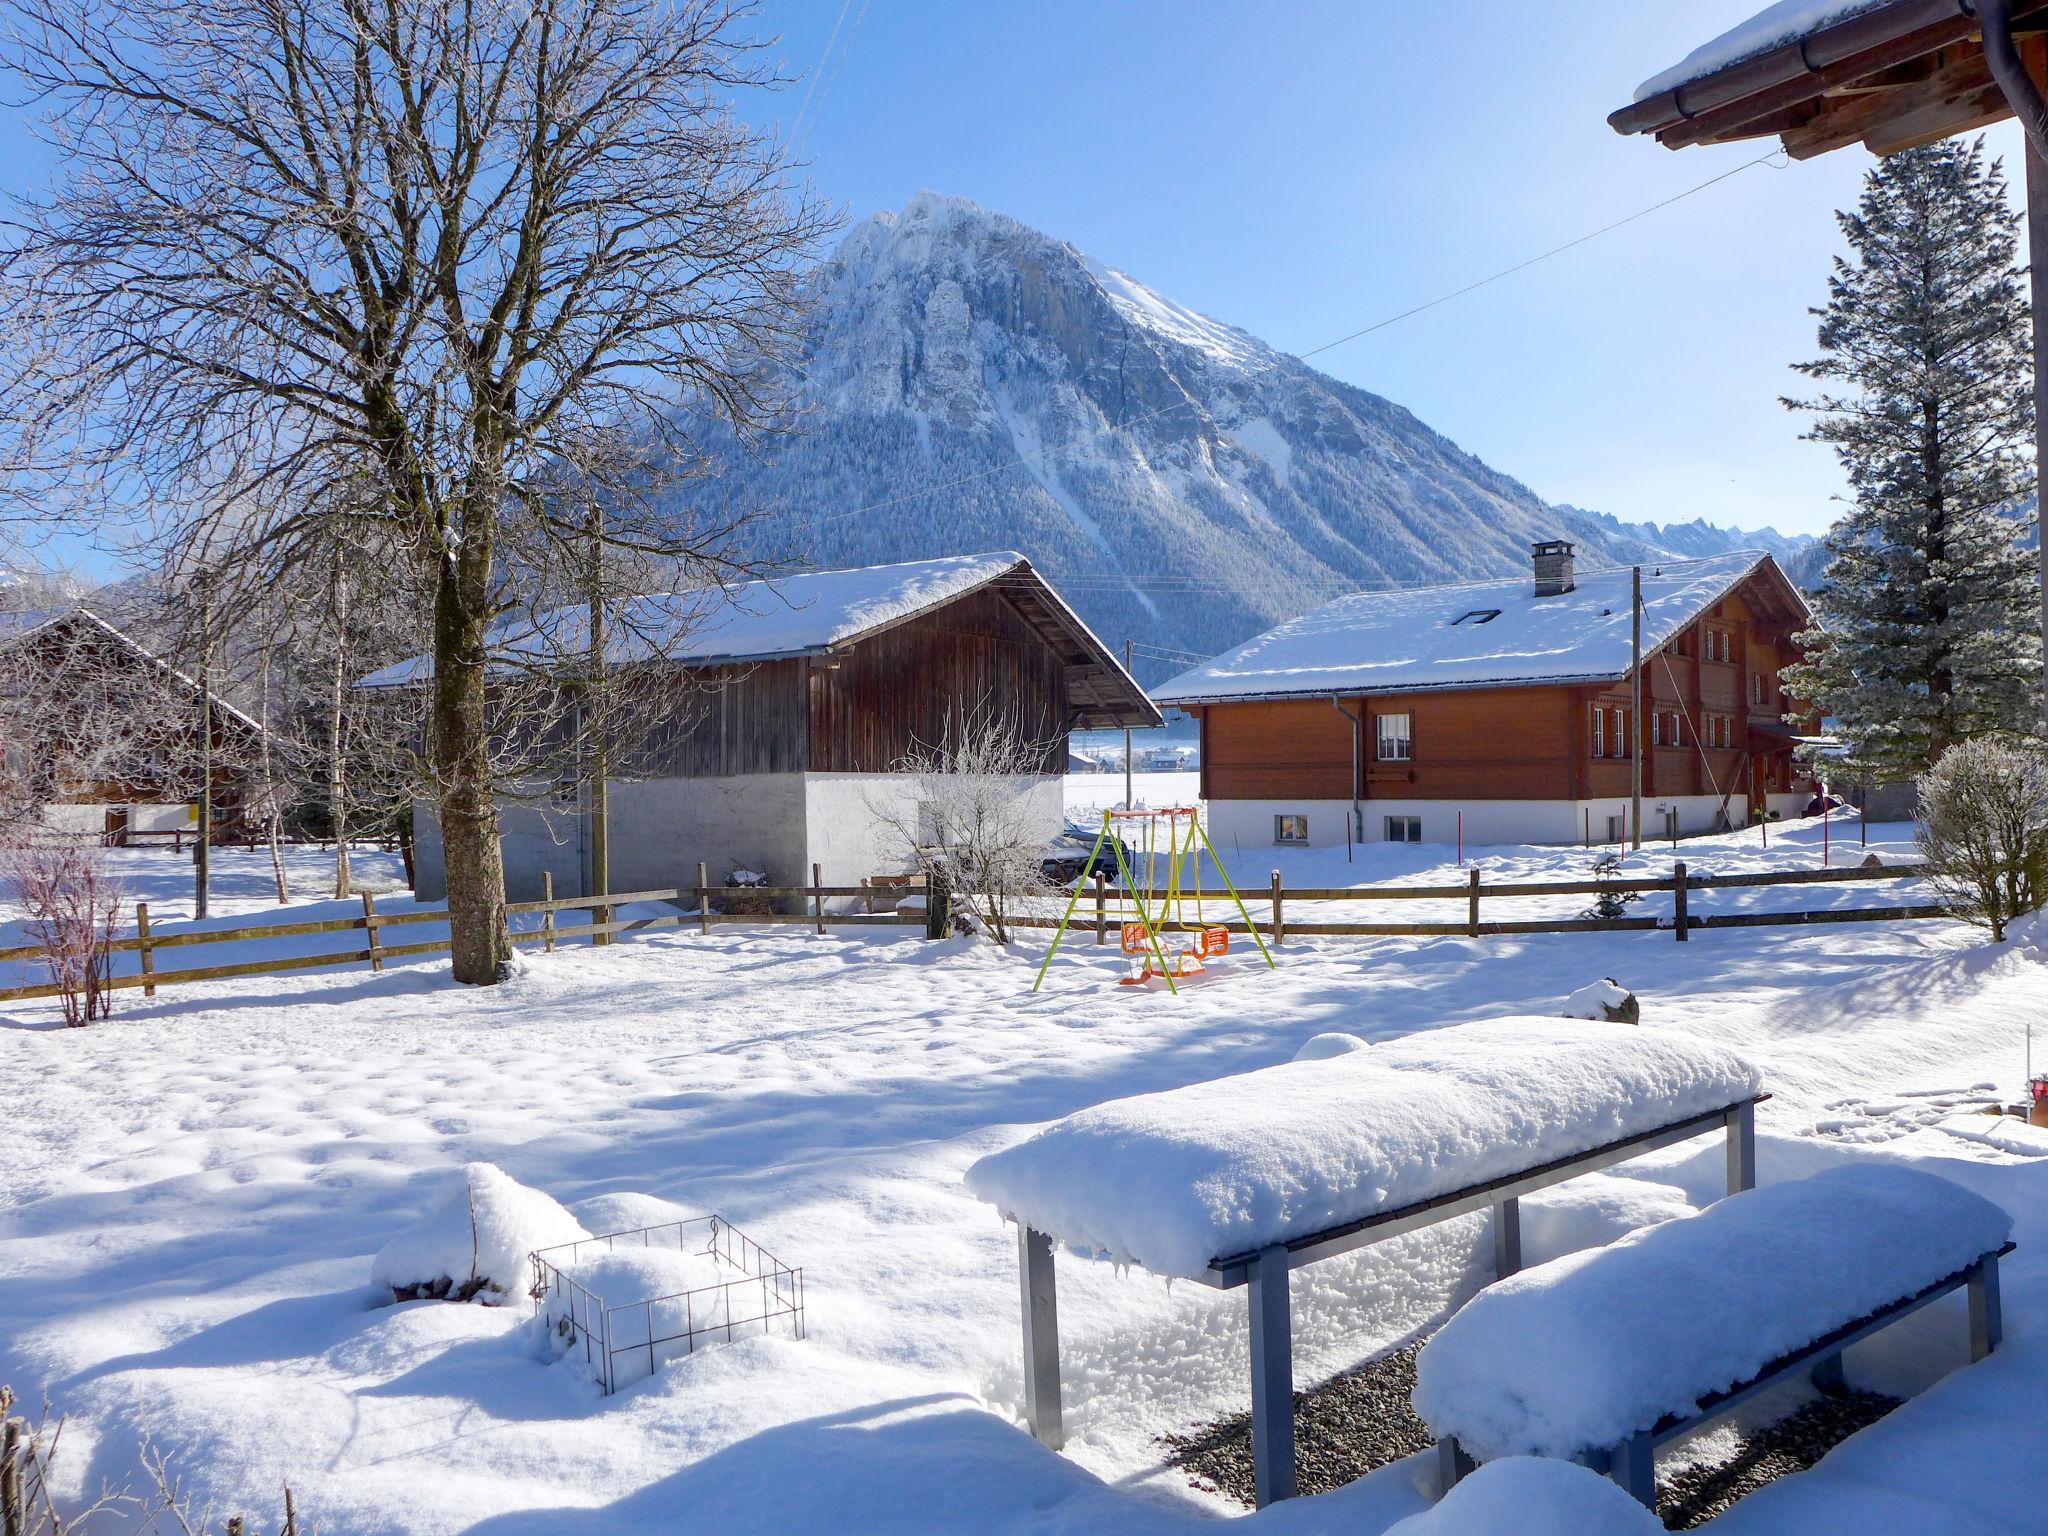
[[1066, 857]]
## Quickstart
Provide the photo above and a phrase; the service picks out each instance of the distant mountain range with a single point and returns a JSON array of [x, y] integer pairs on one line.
[[969, 383]]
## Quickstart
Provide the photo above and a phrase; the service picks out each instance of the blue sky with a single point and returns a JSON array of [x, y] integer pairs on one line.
[[1305, 169]]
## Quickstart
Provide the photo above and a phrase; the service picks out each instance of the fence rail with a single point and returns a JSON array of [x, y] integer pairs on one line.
[[1101, 909]]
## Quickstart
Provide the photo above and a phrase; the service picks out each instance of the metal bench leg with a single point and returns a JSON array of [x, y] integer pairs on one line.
[[1452, 1464], [1827, 1376], [1987, 1326], [1272, 1379], [1041, 1337], [1741, 1149], [1507, 1237], [1633, 1464]]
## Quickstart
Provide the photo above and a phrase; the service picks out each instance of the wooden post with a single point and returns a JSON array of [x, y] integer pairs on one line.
[[1678, 917], [1279, 918], [1101, 909], [147, 959], [867, 896], [703, 899], [370, 932], [547, 912], [818, 898], [1472, 904]]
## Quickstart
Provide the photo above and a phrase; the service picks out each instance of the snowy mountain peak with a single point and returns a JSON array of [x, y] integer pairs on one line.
[[969, 382]]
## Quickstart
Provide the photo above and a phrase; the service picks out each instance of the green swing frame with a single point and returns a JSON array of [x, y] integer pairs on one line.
[[1175, 853]]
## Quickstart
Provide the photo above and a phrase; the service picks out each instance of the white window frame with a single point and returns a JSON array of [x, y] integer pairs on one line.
[[1621, 741], [1656, 727], [1599, 731], [1402, 741], [1406, 824], [1280, 821]]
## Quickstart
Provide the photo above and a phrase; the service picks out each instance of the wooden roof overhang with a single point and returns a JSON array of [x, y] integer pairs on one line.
[[1100, 692], [1893, 77]]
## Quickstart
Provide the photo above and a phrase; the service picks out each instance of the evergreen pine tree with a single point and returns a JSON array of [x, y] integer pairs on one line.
[[1928, 621]]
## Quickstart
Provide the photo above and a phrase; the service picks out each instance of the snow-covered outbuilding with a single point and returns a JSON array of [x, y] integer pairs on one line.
[[810, 691], [1501, 710]]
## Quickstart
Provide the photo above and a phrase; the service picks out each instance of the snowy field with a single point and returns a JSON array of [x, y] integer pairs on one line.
[[194, 1193]]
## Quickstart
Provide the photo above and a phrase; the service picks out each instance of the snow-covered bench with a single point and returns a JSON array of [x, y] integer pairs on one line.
[[1237, 1181], [1600, 1356]]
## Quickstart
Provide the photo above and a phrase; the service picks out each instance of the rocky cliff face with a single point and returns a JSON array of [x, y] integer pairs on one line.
[[970, 383]]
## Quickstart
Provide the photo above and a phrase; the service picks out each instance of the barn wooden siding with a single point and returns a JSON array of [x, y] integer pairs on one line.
[[864, 709], [909, 686]]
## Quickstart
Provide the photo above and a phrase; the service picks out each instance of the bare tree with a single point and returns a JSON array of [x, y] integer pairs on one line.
[[967, 820], [1984, 831], [474, 252]]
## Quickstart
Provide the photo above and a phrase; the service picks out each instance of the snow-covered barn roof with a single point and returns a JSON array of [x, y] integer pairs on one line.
[[23, 625], [1470, 635], [811, 613], [1822, 74]]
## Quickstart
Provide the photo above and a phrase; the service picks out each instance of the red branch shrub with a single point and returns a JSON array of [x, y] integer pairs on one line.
[[71, 902]]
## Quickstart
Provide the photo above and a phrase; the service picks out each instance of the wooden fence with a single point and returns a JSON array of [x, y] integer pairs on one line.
[[1100, 915]]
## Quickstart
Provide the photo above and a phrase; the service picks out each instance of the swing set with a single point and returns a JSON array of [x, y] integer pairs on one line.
[[1162, 914]]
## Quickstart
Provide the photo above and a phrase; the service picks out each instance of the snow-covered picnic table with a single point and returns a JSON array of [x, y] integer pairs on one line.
[[1237, 1181]]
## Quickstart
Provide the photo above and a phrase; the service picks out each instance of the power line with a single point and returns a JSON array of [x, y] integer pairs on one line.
[[1022, 460]]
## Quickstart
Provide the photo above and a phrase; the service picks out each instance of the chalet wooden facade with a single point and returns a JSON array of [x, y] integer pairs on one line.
[[805, 696], [1507, 706], [102, 735]]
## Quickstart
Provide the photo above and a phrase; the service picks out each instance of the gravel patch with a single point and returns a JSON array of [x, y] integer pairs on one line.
[[1793, 1444], [1363, 1419], [1342, 1430]]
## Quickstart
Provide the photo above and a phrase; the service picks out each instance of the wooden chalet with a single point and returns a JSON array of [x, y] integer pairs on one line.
[[105, 733], [809, 692], [1500, 711]]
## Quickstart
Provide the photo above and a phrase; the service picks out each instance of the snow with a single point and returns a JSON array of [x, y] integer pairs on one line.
[[1592, 1211], [1582, 1352], [804, 614], [1771, 27], [1530, 1496], [1335, 1043], [1594, 999], [2005, 1132], [194, 1193], [1174, 1180], [1414, 637], [475, 1241]]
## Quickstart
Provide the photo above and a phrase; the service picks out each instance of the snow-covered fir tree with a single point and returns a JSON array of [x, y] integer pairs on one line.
[[1928, 628]]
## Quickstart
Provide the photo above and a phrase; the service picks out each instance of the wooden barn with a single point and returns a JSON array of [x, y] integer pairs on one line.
[[102, 734], [1502, 709], [808, 692]]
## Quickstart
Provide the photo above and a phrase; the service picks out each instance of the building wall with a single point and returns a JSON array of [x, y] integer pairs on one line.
[[853, 820], [1247, 825]]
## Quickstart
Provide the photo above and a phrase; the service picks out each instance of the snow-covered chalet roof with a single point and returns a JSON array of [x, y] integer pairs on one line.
[[1441, 637], [811, 613], [1773, 26], [19, 627]]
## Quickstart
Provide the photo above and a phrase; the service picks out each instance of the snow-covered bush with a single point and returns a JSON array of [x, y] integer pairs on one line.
[[473, 1245], [1984, 831], [71, 901], [1533, 1496]]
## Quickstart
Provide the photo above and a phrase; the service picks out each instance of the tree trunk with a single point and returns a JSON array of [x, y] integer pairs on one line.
[[337, 782], [202, 848], [480, 944]]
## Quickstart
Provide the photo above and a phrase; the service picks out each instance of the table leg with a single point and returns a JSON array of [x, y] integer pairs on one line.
[[1507, 1237], [1041, 1337], [1272, 1379], [1741, 1149], [1987, 1326]]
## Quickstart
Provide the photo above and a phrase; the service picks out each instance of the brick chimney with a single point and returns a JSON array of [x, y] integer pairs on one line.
[[1553, 568]]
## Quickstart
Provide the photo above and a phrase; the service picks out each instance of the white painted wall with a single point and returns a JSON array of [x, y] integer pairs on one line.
[[1248, 824], [65, 817], [848, 816]]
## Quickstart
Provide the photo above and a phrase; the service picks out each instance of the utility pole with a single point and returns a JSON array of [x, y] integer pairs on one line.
[[202, 850], [1635, 714], [1127, 738], [597, 702]]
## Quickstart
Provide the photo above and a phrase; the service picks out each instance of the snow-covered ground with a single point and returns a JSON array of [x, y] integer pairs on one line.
[[195, 1191]]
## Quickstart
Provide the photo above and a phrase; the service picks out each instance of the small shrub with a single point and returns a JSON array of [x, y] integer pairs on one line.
[[1610, 902], [1984, 831], [71, 903]]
